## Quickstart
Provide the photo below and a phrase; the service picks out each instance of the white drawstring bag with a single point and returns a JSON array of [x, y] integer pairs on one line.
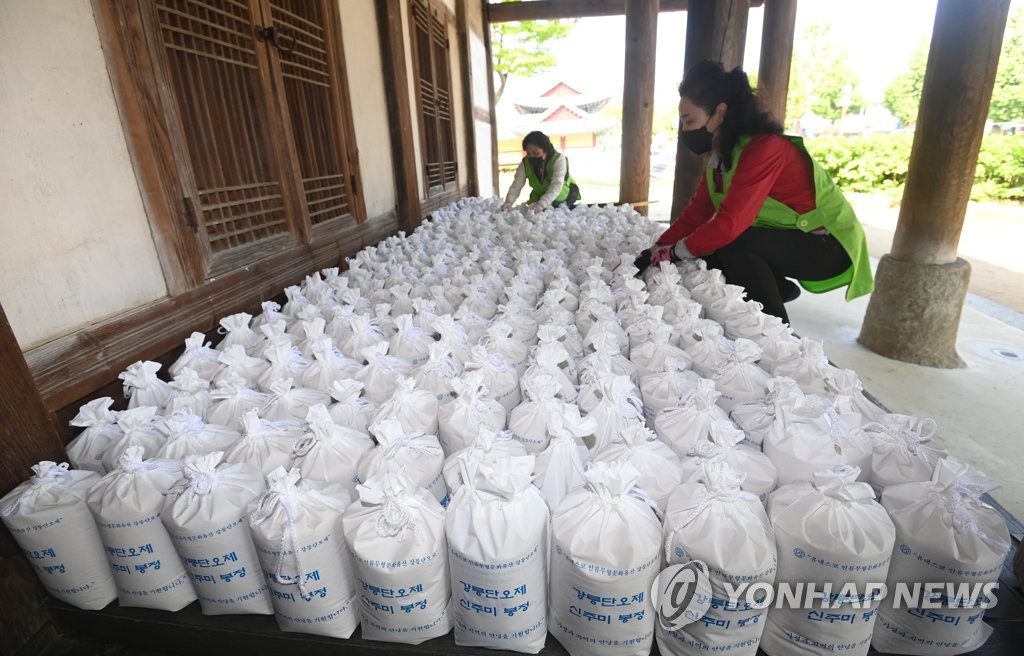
[[310, 334], [518, 314], [296, 300], [811, 436], [351, 409], [290, 403], [619, 408], [48, 517], [232, 399], [689, 420], [126, 504], [606, 552], [728, 304], [474, 325], [738, 379], [657, 353], [901, 450], [328, 366], [832, 533], [489, 446], [747, 320], [724, 444], [235, 361], [946, 533], [640, 319], [436, 374], [454, 335], [189, 392], [665, 389], [364, 333], [297, 532], [607, 321], [727, 529], [187, 434], [500, 339], [497, 527], [499, 377], [198, 356], [757, 418], [236, 331], [710, 350], [420, 455], [139, 427], [143, 388], [460, 419], [659, 466], [810, 369], [847, 392], [265, 444], [561, 465], [275, 335], [286, 363], [410, 342], [101, 432], [778, 343], [205, 515], [415, 409], [551, 309], [328, 452], [531, 421], [381, 373], [395, 532], [607, 358]]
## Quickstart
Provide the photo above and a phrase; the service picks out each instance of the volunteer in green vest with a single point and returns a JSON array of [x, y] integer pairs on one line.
[[547, 171], [764, 210]]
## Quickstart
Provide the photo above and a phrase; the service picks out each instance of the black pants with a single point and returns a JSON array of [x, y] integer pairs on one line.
[[574, 195], [761, 258]]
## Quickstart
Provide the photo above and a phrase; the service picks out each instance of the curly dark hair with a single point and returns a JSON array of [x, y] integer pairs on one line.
[[707, 84], [541, 140]]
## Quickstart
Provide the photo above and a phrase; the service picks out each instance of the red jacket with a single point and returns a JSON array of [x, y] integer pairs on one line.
[[770, 166]]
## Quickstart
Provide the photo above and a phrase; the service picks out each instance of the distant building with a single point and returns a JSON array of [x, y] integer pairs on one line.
[[566, 115]]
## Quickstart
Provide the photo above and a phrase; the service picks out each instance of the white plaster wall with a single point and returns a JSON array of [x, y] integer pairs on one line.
[[369, 104], [76, 245]]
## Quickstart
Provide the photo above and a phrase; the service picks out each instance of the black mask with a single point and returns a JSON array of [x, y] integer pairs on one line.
[[698, 140]]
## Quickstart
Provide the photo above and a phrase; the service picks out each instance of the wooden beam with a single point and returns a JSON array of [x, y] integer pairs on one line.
[[638, 100], [28, 434], [466, 69], [776, 56], [716, 30], [553, 9], [391, 30], [486, 8]]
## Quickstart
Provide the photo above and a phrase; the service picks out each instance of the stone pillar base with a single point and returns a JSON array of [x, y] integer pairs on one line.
[[914, 312]]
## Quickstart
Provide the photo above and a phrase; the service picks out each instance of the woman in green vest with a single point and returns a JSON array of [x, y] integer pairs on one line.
[[764, 210], [547, 171]]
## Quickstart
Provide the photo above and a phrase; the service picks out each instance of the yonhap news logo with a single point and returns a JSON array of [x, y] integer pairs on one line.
[[681, 594]]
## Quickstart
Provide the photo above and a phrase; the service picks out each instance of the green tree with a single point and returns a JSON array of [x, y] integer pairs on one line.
[[518, 48], [822, 81], [1008, 92], [903, 95]]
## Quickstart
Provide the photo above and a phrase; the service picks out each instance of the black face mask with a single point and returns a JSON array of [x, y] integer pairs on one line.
[[698, 140]]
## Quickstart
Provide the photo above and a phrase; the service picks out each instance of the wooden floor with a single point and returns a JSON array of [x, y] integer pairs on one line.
[[117, 631]]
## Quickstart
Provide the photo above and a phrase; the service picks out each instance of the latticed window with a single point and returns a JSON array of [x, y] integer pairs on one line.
[[253, 99], [433, 92]]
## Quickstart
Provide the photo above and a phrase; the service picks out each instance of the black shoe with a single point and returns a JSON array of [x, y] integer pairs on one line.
[[789, 290]]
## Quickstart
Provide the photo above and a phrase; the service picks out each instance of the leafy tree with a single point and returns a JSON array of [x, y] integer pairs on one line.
[[903, 95], [1008, 93], [518, 48], [822, 82]]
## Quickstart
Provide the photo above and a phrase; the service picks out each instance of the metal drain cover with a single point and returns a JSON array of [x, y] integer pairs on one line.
[[995, 351]]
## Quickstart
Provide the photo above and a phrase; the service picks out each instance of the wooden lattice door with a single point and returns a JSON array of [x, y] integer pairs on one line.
[[433, 91]]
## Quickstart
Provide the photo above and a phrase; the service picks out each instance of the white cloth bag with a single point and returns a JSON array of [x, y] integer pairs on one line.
[[605, 553], [497, 527], [232, 399], [351, 409], [86, 450], [945, 533], [659, 466], [126, 504], [395, 532], [139, 427], [738, 379], [829, 532], [460, 419], [381, 373], [48, 517], [728, 530], [236, 331], [143, 388], [561, 465], [410, 342], [420, 455], [811, 436], [328, 452], [655, 354], [901, 450], [688, 421], [290, 403], [188, 434], [724, 444], [498, 376], [436, 374], [757, 418], [198, 356], [531, 421], [619, 408], [664, 389], [205, 513], [189, 392], [297, 532], [810, 369], [266, 445], [490, 446], [415, 409]]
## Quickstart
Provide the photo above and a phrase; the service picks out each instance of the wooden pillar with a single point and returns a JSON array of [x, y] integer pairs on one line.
[[396, 90], [717, 30], [776, 56], [28, 434], [468, 103], [638, 100], [921, 285], [486, 9]]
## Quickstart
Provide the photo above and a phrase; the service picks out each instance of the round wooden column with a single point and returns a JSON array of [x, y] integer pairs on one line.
[[776, 56], [638, 101], [914, 312]]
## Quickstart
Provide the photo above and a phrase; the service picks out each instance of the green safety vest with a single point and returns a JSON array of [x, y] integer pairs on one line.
[[831, 211], [539, 188]]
